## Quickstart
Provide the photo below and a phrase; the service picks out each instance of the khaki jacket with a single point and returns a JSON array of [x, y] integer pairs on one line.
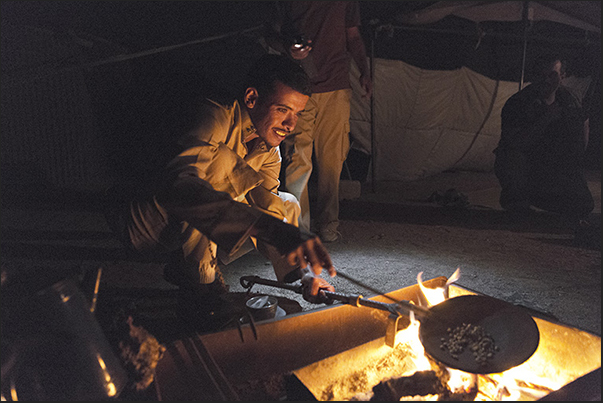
[[215, 156], [215, 152]]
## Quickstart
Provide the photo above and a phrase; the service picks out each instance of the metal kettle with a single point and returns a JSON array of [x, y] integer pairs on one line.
[[53, 348]]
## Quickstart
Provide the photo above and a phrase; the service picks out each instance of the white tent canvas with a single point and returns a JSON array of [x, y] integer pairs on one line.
[[430, 121]]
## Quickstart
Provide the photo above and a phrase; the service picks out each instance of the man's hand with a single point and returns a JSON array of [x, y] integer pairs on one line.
[[367, 85], [300, 51], [312, 253], [312, 287]]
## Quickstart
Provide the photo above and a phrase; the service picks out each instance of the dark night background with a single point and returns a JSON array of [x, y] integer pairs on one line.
[[137, 100], [81, 105]]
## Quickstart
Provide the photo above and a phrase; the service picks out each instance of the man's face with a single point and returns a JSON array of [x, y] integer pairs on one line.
[[275, 116], [553, 75]]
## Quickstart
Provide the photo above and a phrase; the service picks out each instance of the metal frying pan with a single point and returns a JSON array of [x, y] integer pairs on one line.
[[514, 332]]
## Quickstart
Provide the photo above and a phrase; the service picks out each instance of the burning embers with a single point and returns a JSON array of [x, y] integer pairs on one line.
[[384, 373]]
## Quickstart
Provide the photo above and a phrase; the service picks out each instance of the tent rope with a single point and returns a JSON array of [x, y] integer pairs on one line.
[[486, 117]]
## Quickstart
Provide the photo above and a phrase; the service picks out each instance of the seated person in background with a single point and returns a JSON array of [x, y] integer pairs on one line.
[[219, 198], [539, 159]]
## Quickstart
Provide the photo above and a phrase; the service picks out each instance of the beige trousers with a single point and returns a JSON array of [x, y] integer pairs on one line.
[[323, 128]]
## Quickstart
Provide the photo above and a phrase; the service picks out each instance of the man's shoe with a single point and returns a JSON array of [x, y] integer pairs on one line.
[[329, 235], [174, 273]]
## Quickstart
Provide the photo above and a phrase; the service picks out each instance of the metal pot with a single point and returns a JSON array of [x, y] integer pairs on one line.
[[262, 307], [55, 348]]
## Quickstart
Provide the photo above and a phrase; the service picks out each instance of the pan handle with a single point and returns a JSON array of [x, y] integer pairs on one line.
[[405, 307], [248, 281], [401, 307]]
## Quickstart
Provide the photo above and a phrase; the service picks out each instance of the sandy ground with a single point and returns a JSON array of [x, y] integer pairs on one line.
[[389, 237]]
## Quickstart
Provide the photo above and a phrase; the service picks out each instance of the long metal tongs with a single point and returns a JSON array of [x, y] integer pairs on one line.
[[397, 308]]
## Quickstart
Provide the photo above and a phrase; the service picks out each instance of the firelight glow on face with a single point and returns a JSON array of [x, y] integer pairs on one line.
[[276, 116]]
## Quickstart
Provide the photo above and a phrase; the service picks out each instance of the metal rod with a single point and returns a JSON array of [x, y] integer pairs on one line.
[[405, 305], [400, 307], [590, 37], [249, 281], [526, 29], [99, 272], [365, 286], [373, 164], [397, 308], [358, 300]]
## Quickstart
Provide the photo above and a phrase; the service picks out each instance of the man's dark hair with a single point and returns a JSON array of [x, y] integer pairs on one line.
[[271, 68]]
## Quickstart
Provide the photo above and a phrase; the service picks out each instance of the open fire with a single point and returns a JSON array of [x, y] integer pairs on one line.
[[406, 372], [343, 352]]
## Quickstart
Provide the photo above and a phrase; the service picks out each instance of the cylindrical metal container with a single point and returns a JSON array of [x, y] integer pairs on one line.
[[262, 307]]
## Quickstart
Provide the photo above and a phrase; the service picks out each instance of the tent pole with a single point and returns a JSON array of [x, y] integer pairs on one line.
[[373, 141], [526, 28]]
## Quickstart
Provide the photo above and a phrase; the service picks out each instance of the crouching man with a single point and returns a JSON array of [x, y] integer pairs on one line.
[[219, 196]]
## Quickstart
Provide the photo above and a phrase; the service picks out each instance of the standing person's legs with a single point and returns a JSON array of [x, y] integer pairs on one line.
[[297, 160], [331, 146]]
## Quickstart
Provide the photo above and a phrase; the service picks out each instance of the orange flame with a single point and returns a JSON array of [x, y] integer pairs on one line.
[[555, 363]]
